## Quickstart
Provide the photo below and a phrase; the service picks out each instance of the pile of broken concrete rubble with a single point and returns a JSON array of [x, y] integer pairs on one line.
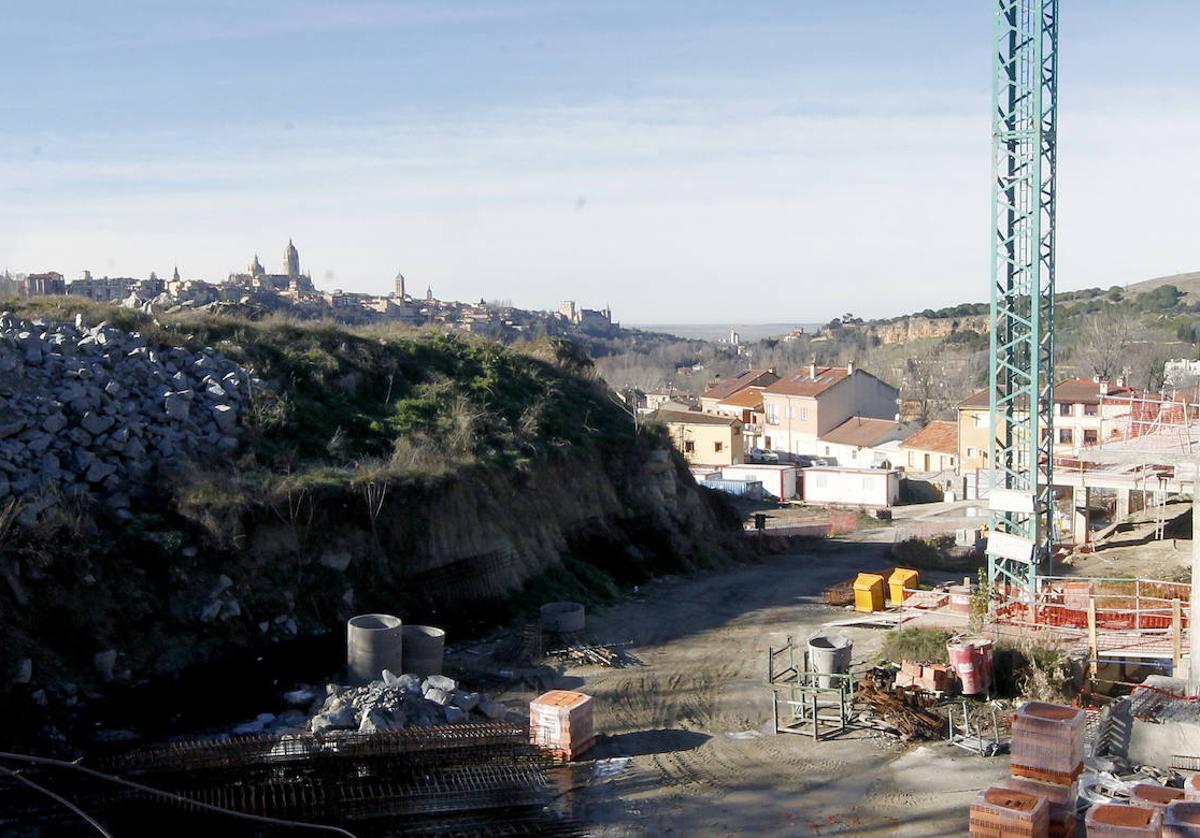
[[92, 411], [399, 701]]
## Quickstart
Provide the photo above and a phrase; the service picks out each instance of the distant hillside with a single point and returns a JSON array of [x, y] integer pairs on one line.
[[720, 331], [1188, 283]]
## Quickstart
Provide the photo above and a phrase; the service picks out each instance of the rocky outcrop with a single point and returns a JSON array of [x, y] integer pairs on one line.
[[95, 411], [921, 328]]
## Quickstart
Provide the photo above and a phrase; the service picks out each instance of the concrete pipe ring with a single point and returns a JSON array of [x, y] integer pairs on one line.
[[374, 642]]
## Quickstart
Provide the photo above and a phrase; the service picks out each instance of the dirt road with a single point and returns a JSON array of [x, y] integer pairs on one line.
[[694, 719]]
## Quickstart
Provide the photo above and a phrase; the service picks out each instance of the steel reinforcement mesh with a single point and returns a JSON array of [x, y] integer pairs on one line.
[[468, 779]]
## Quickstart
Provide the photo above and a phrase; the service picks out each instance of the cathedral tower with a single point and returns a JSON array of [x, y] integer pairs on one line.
[[291, 261]]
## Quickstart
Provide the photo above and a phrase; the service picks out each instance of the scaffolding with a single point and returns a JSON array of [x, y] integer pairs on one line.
[[806, 702]]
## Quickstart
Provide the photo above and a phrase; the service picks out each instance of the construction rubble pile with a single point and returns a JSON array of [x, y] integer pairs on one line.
[[897, 708], [93, 411], [395, 702]]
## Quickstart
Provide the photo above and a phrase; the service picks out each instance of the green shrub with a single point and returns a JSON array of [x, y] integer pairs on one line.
[[913, 644]]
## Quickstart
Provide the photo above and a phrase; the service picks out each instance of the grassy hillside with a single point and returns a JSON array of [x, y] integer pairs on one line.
[[447, 479], [344, 403]]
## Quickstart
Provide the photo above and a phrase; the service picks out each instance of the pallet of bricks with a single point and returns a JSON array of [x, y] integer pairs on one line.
[[1180, 808], [1039, 799], [561, 723], [1153, 810]]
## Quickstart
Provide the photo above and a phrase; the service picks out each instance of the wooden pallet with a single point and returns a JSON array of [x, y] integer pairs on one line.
[[569, 754], [1056, 777]]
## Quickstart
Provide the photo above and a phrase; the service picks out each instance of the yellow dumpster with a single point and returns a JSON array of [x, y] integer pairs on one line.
[[868, 592], [901, 580]]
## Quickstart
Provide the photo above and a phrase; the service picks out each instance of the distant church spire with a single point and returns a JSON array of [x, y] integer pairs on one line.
[[291, 261], [399, 286], [175, 276]]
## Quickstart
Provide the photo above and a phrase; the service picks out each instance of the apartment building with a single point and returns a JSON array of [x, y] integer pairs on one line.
[[1084, 409], [721, 390], [810, 402]]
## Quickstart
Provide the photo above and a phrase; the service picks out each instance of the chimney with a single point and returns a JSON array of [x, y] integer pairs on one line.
[[849, 368], [1095, 379], [812, 370], [1104, 388], [1120, 381]]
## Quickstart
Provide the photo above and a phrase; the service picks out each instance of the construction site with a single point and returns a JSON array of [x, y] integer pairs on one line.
[[1019, 663]]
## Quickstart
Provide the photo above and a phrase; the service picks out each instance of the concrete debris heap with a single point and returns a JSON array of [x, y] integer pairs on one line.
[[93, 411], [397, 702]]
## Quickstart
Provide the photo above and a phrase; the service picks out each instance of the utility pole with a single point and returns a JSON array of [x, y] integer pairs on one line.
[[1021, 376]]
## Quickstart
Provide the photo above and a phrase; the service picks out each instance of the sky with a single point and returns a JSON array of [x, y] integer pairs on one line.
[[680, 161]]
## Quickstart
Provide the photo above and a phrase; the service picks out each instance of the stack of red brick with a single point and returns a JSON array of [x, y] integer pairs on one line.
[[932, 677], [1047, 759], [1118, 820], [1047, 742], [561, 723], [1004, 813], [1152, 796]]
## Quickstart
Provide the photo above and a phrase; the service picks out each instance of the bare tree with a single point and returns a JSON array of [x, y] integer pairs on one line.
[[935, 381], [1103, 342]]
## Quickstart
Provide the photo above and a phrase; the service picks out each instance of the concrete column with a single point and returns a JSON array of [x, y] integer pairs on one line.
[[1080, 495], [1194, 608], [1123, 497]]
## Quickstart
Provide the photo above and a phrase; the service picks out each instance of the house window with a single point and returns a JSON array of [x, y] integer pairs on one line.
[[772, 414], [718, 447], [854, 454], [804, 414], [978, 419], [1064, 436], [1091, 409], [826, 450], [767, 443], [970, 452], [1064, 409], [1090, 437], [689, 447]]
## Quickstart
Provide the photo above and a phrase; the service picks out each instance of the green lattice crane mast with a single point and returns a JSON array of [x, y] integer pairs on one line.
[[1021, 378]]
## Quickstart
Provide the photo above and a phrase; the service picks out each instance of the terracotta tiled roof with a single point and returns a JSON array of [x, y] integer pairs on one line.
[[939, 436], [1072, 390], [1085, 391], [750, 398], [802, 382], [694, 417], [976, 400], [725, 389], [859, 430]]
